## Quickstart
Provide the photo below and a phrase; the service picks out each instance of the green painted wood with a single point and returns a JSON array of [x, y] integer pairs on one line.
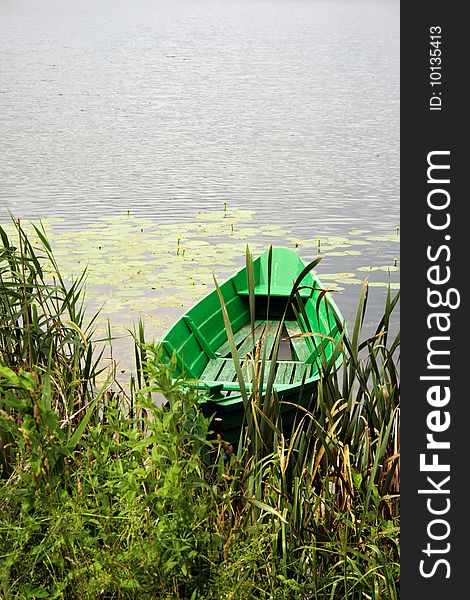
[[286, 266], [238, 336], [228, 372], [288, 373], [279, 290], [207, 315], [299, 344], [181, 365], [267, 369], [198, 366], [223, 370], [212, 369], [301, 371], [199, 363], [198, 335], [227, 385], [214, 390], [281, 373], [269, 337], [233, 385], [218, 339], [247, 346]]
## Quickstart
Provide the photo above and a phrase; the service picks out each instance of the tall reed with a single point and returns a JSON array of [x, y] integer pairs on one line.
[[43, 326], [332, 485]]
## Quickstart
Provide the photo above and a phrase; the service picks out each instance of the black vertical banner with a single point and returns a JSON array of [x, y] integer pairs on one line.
[[435, 264]]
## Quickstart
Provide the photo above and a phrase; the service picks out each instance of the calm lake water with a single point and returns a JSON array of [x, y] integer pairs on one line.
[[166, 108]]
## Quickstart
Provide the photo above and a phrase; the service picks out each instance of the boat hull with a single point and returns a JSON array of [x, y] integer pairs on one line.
[[291, 334], [231, 415]]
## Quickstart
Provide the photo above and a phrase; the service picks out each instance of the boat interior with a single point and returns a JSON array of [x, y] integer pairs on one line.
[[202, 348]]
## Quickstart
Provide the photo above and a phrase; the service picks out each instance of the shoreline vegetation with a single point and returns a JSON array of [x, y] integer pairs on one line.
[[105, 494]]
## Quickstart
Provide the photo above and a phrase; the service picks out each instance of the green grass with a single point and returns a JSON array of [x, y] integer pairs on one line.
[[106, 495]]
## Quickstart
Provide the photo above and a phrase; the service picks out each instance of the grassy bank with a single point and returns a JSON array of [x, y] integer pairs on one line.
[[103, 494]]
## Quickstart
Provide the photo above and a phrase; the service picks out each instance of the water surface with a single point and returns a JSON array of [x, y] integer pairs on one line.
[[167, 108]]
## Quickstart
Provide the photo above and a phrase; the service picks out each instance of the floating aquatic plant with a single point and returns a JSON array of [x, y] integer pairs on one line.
[[139, 267], [382, 268]]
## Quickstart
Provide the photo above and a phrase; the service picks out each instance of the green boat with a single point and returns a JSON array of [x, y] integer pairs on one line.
[[303, 320]]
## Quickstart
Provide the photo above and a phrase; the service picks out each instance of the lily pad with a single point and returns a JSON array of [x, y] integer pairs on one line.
[[385, 238], [344, 253], [382, 268], [358, 231], [393, 284], [349, 278]]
